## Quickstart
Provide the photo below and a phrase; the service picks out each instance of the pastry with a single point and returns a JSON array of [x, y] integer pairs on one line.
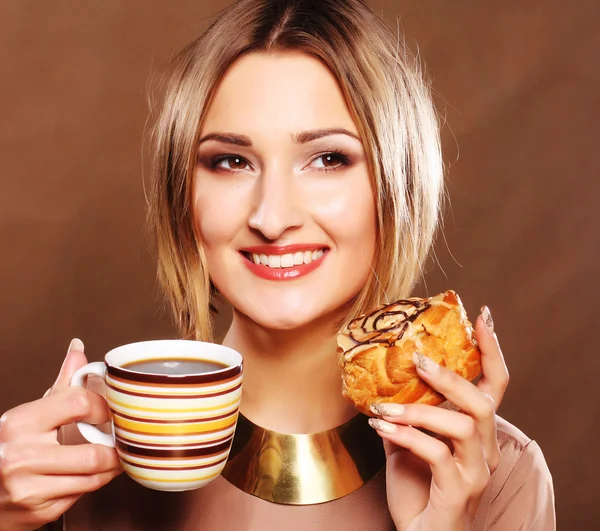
[[378, 347]]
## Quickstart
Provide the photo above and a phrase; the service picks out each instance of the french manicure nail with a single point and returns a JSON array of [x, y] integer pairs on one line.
[[424, 363], [76, 344], [387, 410], [487, 319], [382, 425]]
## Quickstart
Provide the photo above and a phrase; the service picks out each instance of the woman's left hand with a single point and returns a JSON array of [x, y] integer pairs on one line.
[[434, 485]]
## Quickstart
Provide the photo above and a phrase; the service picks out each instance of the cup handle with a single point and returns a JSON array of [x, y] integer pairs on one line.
[[90, 432]]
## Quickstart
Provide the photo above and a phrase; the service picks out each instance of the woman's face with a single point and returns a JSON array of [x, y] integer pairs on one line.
[[282, 196]]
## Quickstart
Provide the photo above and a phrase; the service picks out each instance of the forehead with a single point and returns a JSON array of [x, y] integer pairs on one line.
[[284, 92]]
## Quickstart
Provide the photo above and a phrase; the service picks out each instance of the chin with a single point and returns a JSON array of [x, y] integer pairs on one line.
[[282, 322], [287, 320]]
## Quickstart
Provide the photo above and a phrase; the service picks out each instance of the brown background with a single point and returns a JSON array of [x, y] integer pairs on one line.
[[518, 83]]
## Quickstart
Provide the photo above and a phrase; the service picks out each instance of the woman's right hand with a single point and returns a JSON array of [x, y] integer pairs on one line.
[[40, 478]]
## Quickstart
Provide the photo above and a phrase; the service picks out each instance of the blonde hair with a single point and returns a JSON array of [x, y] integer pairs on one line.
[[389, 102]]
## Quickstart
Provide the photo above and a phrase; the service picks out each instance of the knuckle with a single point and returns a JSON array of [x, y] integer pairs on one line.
[[469, 428], [440, 454], [6, 425], [94, 457], [94, 483], [491, 404], [12, 458], [20, 496], [487, 409], [80, 402], [4, 459]]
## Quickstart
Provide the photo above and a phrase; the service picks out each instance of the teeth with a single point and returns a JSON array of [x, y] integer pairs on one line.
[[287, 260]]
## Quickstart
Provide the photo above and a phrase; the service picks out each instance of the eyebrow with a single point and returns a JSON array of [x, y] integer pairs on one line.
[[299, 138]]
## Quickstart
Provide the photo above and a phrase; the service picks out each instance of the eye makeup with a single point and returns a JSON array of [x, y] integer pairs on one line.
[[236, 163], [343, 161]]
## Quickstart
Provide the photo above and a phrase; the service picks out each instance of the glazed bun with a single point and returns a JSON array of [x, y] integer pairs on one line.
[[377, 350]]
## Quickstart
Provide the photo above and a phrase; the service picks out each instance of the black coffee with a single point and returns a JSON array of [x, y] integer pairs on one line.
[[174, 366]]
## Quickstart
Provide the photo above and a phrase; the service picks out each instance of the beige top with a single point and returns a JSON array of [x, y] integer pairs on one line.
[[519, 497]]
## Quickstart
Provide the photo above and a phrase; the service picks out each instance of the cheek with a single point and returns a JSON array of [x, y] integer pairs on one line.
[[349, 216], [357, 242], [217, 215]]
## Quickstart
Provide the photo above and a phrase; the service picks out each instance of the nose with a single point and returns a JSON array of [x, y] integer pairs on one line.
[[277, 206]]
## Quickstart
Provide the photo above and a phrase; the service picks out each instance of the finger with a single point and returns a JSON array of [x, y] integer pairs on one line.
[[434, 452], [63, 486], [56, 459], [57, 409], [52, 510], [494, 379], [412, 482], [74, 360], [467, 397], [41, 515], [459, 428], [25, 493], [462, 393]]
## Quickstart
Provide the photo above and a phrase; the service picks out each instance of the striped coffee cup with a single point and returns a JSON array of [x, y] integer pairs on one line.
[[172, 432]]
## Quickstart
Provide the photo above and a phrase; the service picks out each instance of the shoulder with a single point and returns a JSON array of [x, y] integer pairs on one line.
[[521, 493]]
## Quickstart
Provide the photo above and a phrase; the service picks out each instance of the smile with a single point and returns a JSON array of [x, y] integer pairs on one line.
[[286, 263], [287, 260]]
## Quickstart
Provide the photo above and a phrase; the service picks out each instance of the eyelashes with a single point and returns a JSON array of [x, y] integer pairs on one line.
[[328, 161], [342, 158], [214, 164]]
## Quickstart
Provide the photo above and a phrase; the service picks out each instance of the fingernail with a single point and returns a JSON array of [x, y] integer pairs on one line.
[[424, 363], [382, 425], [487, 319], [387, 410], [76, 344]]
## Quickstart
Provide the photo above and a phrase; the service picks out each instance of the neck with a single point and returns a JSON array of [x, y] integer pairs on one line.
[[292, 381]]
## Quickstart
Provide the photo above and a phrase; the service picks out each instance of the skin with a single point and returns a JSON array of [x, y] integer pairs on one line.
[[435, 483], [277, 192], [273, 193], [39, 478]]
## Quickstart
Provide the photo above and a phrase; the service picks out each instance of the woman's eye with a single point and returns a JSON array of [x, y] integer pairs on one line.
[[230, 162], [331, 161], [325, 162]]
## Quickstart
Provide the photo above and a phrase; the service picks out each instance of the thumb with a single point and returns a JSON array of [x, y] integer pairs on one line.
[[74, 360], [391, 449]]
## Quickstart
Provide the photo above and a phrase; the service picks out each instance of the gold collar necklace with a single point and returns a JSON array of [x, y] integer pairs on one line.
[[304, 469]]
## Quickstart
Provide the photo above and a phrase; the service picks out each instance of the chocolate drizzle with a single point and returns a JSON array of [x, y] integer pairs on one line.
[[385, 325]]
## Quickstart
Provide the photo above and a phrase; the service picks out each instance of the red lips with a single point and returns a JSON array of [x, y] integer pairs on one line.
[[283, 273], [284, 249]]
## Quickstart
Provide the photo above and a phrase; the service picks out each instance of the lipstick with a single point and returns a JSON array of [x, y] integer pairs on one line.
[[283, 262]]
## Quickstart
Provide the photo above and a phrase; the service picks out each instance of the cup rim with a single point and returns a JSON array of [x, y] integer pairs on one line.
[[165, 342]]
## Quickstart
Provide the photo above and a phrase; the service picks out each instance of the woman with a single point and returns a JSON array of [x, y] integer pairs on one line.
[[298, 173]]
